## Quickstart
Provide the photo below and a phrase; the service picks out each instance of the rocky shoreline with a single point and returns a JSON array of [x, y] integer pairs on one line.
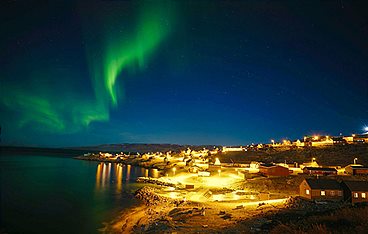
[[160, 214]]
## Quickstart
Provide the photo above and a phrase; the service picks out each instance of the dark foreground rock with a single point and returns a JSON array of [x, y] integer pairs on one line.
[[149, 197]]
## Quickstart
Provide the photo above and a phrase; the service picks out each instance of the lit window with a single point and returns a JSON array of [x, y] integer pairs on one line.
[[356, 195], [339, 193], [307, 191], [363, 195], [323, 193], [332, 193]]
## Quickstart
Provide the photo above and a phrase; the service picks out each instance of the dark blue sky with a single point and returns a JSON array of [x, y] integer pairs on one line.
[[187, 72]]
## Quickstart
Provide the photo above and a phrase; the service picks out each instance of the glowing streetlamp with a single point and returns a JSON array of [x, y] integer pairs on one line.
[[355, 160], [365, 129], [273, 142], [313, 160]]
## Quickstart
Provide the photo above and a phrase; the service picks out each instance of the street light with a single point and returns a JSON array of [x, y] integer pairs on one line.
[[273, 142], [355, 159]]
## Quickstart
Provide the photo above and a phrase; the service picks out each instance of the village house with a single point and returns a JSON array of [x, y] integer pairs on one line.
[[200, 153], [349, 139], [356, 138], [286, 143], [362, 138], [338, 141], [325, 189], [215, 151], [215, 167], [254, 165], [355, 191], [320, 171], [318, 141], [321, 189], [313, 163], [232, 149], [298, 143], [356, 169], [106, 155], [273, 170]]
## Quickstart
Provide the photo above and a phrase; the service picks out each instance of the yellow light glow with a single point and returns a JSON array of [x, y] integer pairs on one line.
[[154, 173], [174, 170], [128, 172], [98, 176], [119, 178], [104, 171], [217, 162], [217, 197], [109, 171]]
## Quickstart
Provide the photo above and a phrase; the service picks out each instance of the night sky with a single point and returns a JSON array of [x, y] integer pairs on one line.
[[187, 72]]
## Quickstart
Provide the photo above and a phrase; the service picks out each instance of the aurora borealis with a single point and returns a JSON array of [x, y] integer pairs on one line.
[[188, 72], [44, 109], [122, 50]]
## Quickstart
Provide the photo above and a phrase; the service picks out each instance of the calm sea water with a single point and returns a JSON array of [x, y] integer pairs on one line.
[[48, 194]]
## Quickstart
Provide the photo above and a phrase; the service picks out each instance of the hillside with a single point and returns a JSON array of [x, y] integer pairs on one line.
[[332, 155]]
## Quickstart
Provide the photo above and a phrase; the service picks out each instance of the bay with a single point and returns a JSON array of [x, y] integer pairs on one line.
[[49, 194]]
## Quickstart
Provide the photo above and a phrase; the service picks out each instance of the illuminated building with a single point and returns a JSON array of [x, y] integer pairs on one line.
[[321, 189], [355, 191], [321, 171], [356, 169], [232, 149]]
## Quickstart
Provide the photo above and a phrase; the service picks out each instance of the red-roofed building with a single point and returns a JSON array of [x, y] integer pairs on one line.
[[273, 170]]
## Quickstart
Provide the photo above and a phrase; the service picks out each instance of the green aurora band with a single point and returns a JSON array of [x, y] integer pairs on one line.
[[119, 55], [43, 106]]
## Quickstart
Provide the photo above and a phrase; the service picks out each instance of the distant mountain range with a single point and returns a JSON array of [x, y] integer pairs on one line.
[[141, 148], [132, 148]]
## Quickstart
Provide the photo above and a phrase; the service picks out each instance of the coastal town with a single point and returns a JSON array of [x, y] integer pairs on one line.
[[241, 185], [184, 117]]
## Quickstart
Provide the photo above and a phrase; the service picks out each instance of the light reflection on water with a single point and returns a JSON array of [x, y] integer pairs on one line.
[[110, 173], [42, 194]]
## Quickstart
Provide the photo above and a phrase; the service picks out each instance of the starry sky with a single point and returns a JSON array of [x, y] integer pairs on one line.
[[77, 73]]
